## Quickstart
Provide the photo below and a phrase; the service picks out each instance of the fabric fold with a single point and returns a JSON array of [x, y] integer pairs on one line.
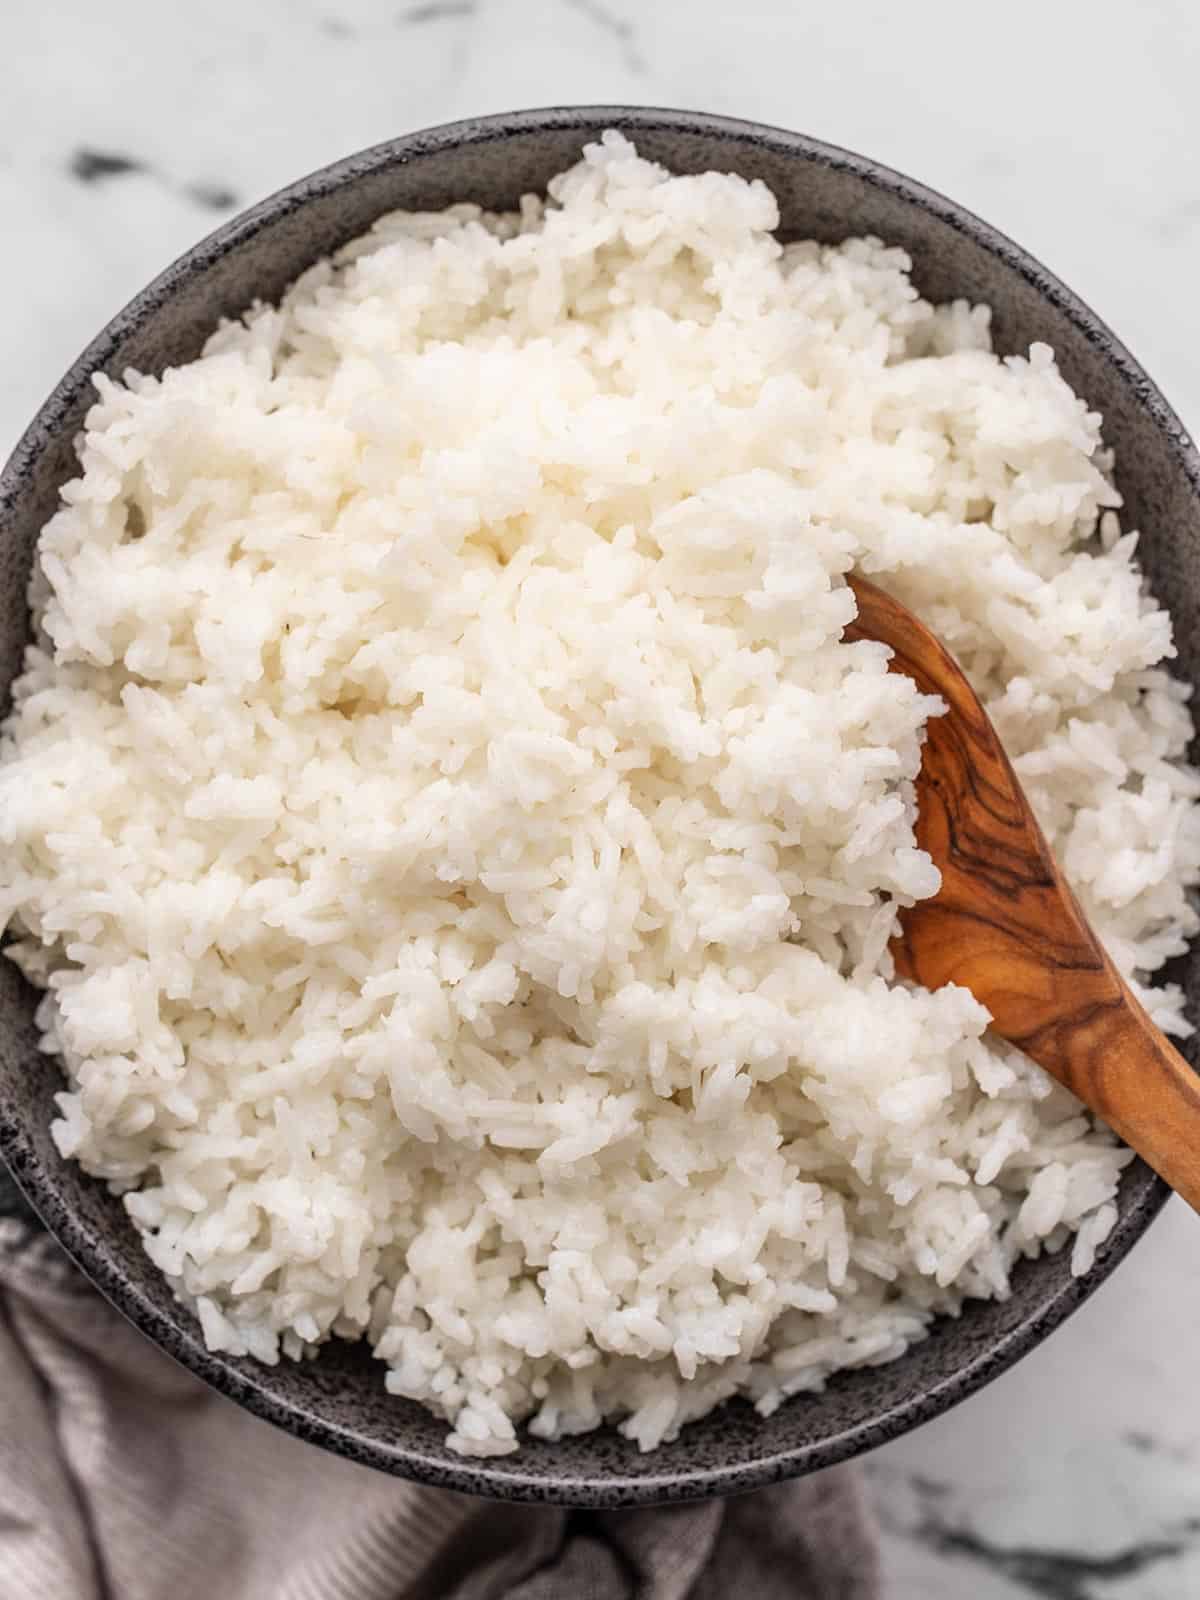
[[123, 1477]]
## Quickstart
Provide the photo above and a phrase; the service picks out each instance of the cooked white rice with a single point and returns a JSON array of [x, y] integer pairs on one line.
[[460, 852]]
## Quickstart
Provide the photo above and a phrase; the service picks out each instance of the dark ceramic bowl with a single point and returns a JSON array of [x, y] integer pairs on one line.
[[338, 1400]]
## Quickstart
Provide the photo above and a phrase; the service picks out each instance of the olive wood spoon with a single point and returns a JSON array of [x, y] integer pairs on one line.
[[1006, 926]]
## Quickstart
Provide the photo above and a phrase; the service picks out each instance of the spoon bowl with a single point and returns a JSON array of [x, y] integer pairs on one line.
[[1006, 925]]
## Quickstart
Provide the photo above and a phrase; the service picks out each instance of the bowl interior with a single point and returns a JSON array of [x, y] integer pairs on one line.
[[338, 1400]]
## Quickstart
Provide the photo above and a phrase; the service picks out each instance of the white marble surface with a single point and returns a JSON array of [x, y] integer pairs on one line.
[[130, 128]]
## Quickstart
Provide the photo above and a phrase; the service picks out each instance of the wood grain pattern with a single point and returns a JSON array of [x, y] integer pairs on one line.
[[1006, 925]]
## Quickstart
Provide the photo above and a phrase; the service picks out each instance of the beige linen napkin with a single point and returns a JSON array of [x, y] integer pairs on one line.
[[122, 1477]]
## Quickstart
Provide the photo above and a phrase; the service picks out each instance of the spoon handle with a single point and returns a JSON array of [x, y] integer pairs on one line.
[[1110, 1054], [1055, 994]]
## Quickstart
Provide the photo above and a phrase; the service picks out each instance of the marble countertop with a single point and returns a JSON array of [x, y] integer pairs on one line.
[[127, 130]]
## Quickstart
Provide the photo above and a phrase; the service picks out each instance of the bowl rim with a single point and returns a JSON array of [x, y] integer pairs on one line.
[[506, 1478]]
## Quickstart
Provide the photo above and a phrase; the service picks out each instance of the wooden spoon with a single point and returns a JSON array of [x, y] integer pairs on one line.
[[1006, 926]]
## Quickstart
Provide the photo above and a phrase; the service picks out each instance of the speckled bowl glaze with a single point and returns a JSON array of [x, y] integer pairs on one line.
[[338, 1400]]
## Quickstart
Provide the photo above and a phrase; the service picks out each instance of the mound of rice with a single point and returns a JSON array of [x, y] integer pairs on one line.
[[460, 852]]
